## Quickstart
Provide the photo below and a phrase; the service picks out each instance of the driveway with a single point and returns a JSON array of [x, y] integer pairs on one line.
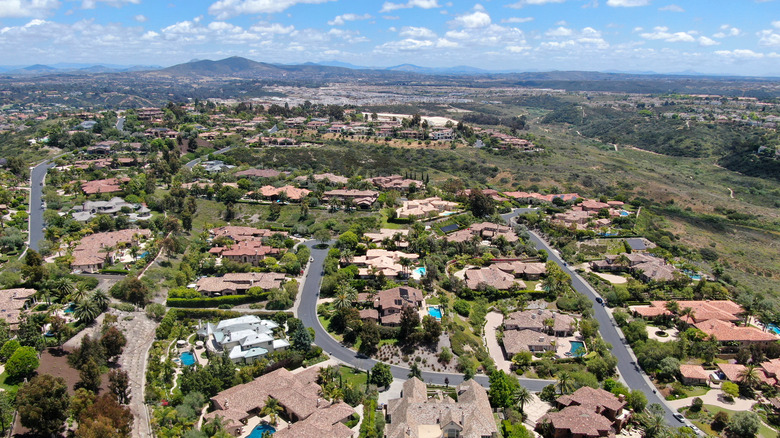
[[493, 322]]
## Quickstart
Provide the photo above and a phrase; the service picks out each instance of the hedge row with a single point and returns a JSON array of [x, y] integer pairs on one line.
[[233, 300]]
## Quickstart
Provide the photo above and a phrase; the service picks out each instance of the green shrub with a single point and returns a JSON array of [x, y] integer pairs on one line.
[[115, 271], [233, 300]]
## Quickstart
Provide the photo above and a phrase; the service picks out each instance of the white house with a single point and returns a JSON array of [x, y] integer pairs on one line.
[[245, 338]]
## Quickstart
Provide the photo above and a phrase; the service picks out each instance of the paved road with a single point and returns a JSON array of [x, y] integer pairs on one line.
[[35, 226], [633, 377], [140, 333], [192, 163], [120, 124], [307, 312]]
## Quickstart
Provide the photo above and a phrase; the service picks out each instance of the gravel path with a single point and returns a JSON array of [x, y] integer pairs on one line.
[[140, 335]]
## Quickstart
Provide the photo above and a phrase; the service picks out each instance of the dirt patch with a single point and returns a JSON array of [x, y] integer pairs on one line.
[[54, 361]]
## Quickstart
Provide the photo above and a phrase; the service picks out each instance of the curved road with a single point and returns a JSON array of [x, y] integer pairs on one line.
[[35, 226], [632, 375], [192, 163], [307, 312]]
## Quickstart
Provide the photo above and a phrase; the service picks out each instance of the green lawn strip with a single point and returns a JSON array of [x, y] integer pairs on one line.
[[326, 324], [5, 386], [763, 432], [353, 377]]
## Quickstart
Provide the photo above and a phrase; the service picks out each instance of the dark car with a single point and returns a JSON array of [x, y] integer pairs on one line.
[[599, 300]]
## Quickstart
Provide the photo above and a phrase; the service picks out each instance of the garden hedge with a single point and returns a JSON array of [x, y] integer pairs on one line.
[[202, 303]]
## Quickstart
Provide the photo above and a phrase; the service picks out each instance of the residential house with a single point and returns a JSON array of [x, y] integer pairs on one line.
[[245, 338], [298, 394], [288, 192], [96, 250], [383, 261], [108, 185], [428, 207], [541, 320], [251, 251], [215, 166], [733, 337], [361, 198], [237, 283], [390, 303], [13, 302], [588, 412], [417, 415], [88, 210], [396, 182], [538, 197], [528, 270], [442, 135], [645, 267], [485, 231], [694, 375], [238, 233], [516, 341], [492, 276], [397, 236], [721, 310]]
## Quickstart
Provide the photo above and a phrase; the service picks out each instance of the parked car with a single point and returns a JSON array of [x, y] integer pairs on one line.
[[599, 300], [679, 417]]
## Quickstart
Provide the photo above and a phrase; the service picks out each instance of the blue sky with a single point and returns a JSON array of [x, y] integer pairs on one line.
[[708, 36]]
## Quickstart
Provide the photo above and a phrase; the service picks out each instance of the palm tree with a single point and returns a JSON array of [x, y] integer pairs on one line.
[[347, 256], [655, 425], [673, 307], [86, 311], [61, 287], [749, 376], [80, 294], [272, 408], [100, 299], [564, 384], [522, 396], [345, 295], [688, 313], [405, 263]]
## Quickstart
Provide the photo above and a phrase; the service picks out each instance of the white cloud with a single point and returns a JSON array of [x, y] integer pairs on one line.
[[704, 41], [740, 53], [417, 32], [445, 43], [627, 3], [517, 20], [473, 20], [517, 49], [343, 18], [229, 8], [522, 3], [27, 8], [564, 37], [140, 18], [776, 24], [91, 4], [727, 31], [662, 33], [769, 38], [422, 4], [559, 32], [272, 29], [672, 8]]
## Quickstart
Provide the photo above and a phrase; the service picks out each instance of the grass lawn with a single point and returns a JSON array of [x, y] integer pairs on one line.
[[763, 432], [390, 225], [705, 428], [326, 324], [387, 342], [5, 386], [353, 377], [696, 391]]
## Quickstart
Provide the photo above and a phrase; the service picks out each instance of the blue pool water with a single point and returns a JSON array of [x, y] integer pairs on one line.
[[624, 213], [146, 253], [774, 329], [70, 308], [257, 432], [187, 359], [575, 346], [434, 311], [420, 271]]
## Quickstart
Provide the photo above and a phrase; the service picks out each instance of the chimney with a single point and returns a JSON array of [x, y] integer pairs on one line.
[[621, 397]]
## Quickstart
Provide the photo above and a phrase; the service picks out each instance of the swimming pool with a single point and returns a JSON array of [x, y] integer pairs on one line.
[[419, 271], [624, 213], [187, 359], [258, 431], [434, 311], [71, 307], [577, 348], [774, 329]]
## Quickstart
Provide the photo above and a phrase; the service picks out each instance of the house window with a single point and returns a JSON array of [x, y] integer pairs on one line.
[[451, 433]]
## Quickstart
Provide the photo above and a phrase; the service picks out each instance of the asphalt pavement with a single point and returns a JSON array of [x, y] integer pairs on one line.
[[192, 163], [631, 374], [307, 312], [35, 226]]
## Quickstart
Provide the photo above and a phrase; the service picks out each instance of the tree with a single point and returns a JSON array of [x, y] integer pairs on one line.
[[119, 385], [113, 342], [720, 421], [654, 422], [272, 408], [381, 375], [22, 363], [89, 376], [669, 368], [43, 404], [86, 311], [731, 389], [431, 329], [502, 389], [522, 360], [521, 396], [637, 400], [8, 349], [565, 384], [105, 415], [414, 371], [81, 401], [744, 424], [749, 377], [155, 311], [322, 235], [301, 339], [480, 204], [6, 411], [410, 320], [369, 338]]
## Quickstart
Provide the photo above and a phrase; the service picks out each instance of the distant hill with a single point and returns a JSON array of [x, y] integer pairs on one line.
[[228, 66]]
